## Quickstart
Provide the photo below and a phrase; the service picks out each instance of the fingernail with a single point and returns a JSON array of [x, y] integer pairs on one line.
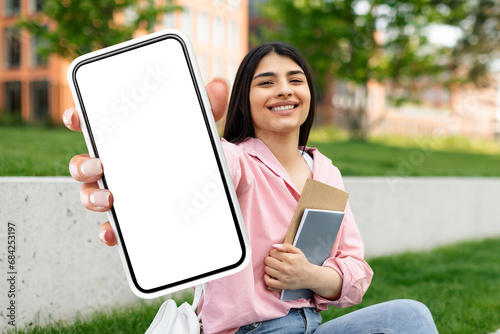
[[91, 167], [223, 78], [100, 198], [102, 235], [68, 113], [278, 245]]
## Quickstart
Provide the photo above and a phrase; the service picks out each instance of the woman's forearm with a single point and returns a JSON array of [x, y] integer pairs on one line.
[[326, 282]]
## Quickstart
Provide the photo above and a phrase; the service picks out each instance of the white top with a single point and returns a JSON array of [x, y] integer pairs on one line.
[[308, 159]]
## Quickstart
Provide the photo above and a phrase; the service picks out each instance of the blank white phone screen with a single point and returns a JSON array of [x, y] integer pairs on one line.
[[171, 205]]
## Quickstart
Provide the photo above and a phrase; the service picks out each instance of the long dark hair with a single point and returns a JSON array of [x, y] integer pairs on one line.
[[239, 124]]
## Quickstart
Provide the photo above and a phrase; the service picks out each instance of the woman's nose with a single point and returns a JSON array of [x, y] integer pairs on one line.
[[284, 89]]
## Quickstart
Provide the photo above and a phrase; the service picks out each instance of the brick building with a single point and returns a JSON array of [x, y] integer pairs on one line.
[[35, 89]]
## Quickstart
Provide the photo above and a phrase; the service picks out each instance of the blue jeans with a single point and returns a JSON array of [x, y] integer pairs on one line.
[[397, 316]]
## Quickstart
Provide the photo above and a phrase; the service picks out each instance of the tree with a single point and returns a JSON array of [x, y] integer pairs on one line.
[[385, 41], [71, 28], [479, 45]]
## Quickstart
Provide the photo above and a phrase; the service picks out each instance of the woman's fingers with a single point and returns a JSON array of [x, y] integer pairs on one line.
[[94, 198], [218, 93], [272, 272], [107, 235], [272, 283], [71, 119], [83, 168]]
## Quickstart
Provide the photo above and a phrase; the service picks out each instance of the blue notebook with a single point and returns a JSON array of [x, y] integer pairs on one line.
[[315, 237]]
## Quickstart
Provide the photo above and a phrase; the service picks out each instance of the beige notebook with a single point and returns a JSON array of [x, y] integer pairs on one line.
[[316, 195]]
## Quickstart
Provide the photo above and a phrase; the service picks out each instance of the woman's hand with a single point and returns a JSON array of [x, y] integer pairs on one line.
[[89, 170], [288, 268]]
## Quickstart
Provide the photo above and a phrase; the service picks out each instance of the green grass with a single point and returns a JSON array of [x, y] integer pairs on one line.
[[374, 159], [399, 156], [32, 151], [36, 151], [459, 284]]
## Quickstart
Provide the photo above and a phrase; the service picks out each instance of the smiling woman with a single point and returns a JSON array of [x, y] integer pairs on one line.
[[269, 118]]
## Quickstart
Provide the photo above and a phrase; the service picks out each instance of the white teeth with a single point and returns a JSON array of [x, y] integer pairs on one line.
[[282, 108]]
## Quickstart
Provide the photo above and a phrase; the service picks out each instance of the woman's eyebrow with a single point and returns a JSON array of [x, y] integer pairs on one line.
[[273, 74], [295, 72], [265, 74]]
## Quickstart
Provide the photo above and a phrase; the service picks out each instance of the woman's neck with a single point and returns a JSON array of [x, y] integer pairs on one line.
[[285, 150], [284, 147]]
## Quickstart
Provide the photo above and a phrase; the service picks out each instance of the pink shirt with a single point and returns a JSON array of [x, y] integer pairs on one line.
[[267, 199]]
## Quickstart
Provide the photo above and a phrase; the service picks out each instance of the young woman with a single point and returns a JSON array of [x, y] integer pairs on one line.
[[270, 114]]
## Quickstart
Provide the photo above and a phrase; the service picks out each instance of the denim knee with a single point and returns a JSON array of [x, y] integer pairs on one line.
[[414, 312], [413, 307], [401, 316]]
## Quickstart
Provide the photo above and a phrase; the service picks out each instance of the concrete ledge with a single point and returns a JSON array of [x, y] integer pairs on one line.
[[62, 268], [406, 214]]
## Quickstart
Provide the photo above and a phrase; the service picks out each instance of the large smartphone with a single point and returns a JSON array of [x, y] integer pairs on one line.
[[145, 113]]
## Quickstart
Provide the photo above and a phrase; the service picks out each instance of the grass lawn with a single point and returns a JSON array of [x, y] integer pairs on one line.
[[35, 151], [403, 156], [459, 284]]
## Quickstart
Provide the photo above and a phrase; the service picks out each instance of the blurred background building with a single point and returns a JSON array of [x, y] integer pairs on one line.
[[34, 89], [31, 87]]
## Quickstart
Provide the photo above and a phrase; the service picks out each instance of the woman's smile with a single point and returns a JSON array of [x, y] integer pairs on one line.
[[283, 108]]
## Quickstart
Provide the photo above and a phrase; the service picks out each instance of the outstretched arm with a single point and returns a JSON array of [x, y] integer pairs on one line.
[[89, 170]]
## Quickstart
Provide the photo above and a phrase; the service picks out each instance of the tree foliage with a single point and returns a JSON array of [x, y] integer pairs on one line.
[[71, 28], [470, 60], [326, 32], [387, 40], [352, 39]]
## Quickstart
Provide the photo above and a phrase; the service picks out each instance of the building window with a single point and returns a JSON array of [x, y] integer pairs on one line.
[[203, 64], [217, 67], [40, 100], [187, 22], [13, 97], [169, 21], [203, 28], [231, 69], [218, 32], [11, 7], [35, 6], [234, 3], [233, 35], [36, 58], [12, 47]]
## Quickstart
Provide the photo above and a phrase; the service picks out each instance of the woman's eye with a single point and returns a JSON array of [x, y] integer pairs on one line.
[[297, 81], [265, 83]]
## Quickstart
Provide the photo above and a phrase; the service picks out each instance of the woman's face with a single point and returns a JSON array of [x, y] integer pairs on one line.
[[279, 97]]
